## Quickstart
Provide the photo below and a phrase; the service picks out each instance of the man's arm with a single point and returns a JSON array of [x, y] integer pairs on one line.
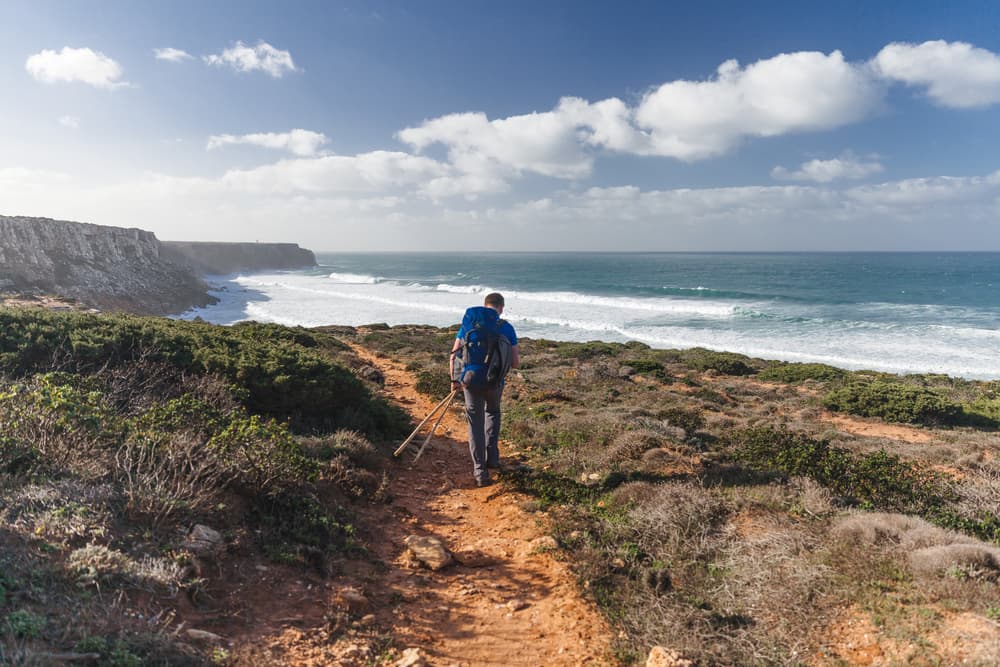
[[515, 358]]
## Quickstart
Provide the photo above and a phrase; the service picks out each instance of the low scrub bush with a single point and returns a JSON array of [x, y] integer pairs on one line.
[[278, 371], [795, 372], [894, 401], [972, 561], [877, 480], [434, 384], [727, 363], [588, 350]]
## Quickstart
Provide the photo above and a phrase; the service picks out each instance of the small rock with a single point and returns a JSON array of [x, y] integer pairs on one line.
[[261, 568], [618, 563], [204, 541], [204, 636], [412, 657], [352, 598], [544, 542], [368, 619], [666, 657], [372, 374], [429, 551], [473, 558], [517, 604]]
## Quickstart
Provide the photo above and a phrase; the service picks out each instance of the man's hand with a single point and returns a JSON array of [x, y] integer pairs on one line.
[[455, 385]]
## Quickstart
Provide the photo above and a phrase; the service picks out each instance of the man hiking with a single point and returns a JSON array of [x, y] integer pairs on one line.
[[484, 350]]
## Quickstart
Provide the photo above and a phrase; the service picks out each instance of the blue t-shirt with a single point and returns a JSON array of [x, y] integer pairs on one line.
[[505, 329]]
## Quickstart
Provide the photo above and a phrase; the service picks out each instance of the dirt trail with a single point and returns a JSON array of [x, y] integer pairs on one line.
[[473, 615]]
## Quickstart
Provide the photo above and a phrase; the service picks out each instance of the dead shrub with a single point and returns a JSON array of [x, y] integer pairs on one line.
[[909, 532], [631, 445], [811, 497], [632, 493], [96, 563], [355, 482], [180, 474], [679, 520], [973, 561]]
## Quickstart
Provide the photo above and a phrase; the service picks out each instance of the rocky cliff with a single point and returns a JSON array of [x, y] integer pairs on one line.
[[124, 269], [224, 258]]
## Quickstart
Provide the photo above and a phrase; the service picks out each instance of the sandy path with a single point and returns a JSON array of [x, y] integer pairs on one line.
[[466, 615]]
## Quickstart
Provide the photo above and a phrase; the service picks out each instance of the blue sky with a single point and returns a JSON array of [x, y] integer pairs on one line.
[[517, 125]]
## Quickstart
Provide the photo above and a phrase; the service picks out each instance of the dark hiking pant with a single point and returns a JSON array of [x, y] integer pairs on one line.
[[482, 410]]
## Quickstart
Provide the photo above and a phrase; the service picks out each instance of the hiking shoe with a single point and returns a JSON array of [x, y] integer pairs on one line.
[[499, 467], [480, 483]]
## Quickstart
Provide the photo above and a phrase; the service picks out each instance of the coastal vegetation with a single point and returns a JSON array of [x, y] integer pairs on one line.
[[121, 433], [744, 511], [739, 510]]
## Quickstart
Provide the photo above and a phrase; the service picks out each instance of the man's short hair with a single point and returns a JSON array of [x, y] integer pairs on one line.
[[494, 299]]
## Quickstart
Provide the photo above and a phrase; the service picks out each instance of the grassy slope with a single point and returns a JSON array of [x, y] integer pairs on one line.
[[119, 433], [702, 499], [707, 504]]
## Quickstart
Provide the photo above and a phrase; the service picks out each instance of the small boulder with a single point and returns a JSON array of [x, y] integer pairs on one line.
[[412, 657], [351, 598], [666, 657], [429, 551], [473, 558], [543, 543], [204, 541]]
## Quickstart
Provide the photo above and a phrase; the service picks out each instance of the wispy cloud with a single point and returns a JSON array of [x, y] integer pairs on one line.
[[69, 65], [262, 57], [72, 122], [956, 74], [298, 141], [845, 167], [171, 54]]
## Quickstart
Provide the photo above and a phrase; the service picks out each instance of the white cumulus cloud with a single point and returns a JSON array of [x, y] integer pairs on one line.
[[791, 92], [298, 141], [377, 171], [171, 54], [75, 65], [688, 120], [955, 74], [262, 57], [72, 122], [845, 167]]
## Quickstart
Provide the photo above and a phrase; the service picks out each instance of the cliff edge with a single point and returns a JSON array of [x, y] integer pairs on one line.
[[223, 258], [113, 268]]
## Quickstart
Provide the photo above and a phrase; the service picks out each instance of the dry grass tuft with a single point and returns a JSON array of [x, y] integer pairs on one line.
[[631, 445], [973, 561]]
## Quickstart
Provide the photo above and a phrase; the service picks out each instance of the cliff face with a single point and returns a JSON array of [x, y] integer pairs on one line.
[[223, 258], [107, 267]]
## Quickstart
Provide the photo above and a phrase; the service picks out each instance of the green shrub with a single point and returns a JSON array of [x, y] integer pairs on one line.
[[434, 385], [588, 350], [266, 456], [277, 371], [727, 363], [878, 480], [795, 372], [649, 367], [24, 624], [894, 401]]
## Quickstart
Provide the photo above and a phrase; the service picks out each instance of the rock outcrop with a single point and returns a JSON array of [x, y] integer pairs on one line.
[[111, 268], [225, 258]]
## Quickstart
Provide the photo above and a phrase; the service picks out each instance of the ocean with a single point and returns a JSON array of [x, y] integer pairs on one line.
[[894, 312]]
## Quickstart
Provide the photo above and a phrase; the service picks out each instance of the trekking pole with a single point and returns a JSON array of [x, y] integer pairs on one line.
[[433, 412], [434, 428]]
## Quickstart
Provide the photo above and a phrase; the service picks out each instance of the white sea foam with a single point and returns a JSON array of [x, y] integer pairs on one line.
[[353, 279], [847, 336]]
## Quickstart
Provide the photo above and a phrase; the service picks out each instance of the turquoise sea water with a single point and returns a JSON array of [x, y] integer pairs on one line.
[[898, 312]]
